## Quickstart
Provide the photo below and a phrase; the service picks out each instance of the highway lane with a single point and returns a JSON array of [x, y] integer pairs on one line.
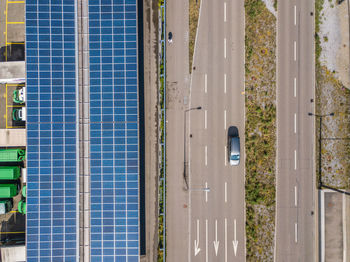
[[216, 217], [295, 223]]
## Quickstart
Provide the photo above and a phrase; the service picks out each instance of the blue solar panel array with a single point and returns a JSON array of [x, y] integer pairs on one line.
[[52, 218], [114, 130]]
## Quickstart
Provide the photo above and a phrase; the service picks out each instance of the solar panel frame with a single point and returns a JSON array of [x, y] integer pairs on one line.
[[52, 129], [110, 145]]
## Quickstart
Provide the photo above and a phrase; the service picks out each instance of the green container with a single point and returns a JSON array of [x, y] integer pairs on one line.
[[22, 207], [10, 172], [5, 206], [12, 155], [24, 191], [8, 190]]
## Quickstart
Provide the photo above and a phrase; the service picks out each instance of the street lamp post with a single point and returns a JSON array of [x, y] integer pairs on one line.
[[320, 147], [185, 111]]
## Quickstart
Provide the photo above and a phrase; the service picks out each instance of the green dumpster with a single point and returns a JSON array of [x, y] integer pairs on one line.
[[5, 206], [8, 190], [12, 155], [10, 172], [22, 207]]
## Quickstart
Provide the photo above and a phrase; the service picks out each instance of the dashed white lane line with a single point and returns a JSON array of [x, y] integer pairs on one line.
[[225, 155], [205, 119], [205, 83], [225, 47], [225, 119], [225, 12], [295, 51], [225, 192], [225, 83], [295, 196], [296, 233], [295, 87], [295, 123], [206, 155], [206, 192], [295, 160], [206, 240], [225, 239], [295, 15]]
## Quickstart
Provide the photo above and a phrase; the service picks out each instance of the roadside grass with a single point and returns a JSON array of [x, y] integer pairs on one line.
[[193, 23], [260, 130], [331, 96]]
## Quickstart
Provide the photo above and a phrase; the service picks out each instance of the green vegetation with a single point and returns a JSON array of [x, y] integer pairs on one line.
[[193, 23], [161, 181], [260, 130]]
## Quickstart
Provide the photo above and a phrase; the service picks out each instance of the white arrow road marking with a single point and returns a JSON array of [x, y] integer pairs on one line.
[[216, 242], [225, 192], [235, 241], [206, 240], [196, 241], [205, 83], [206, 192], [225, 239]]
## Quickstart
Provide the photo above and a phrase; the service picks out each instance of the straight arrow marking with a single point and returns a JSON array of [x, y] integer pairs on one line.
[[196, 242], [216, 242], [235, 242]]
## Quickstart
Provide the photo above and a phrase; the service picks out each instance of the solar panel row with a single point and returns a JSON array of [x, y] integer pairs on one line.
[[51, 131], [114, 130]]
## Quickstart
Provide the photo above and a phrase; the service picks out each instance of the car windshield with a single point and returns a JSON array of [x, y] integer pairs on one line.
[[234, 157]]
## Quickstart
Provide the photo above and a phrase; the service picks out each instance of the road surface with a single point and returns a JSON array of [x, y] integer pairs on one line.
[[295, 224]]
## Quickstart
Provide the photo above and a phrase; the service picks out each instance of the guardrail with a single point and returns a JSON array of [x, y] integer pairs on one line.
[[162, 132]]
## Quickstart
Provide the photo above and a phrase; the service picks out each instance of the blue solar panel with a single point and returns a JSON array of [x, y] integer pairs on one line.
[[114, 130], [52, 218]]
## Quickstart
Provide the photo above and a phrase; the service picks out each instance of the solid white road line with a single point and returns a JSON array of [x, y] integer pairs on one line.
[[205, 119], [206, 155], [205, 83], [206, 192], [295, 196], [225, 47], [295, 15], [206, 240], [295, 51], [295, 160], [225, 192], [225, 155], [296, 232], [295, 123], [295, 87], [225, 119], [225, 83], [225, 12], [225, 239]]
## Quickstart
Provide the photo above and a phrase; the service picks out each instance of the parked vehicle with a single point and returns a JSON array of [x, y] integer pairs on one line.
[[10, 172], [19, 95], [24, 191], [12, 155], [233, 146], [19, 114], [5, 206], [8, 190]]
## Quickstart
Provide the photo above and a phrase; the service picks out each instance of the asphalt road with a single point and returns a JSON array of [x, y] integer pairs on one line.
[[216, 189], [295, 231]]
